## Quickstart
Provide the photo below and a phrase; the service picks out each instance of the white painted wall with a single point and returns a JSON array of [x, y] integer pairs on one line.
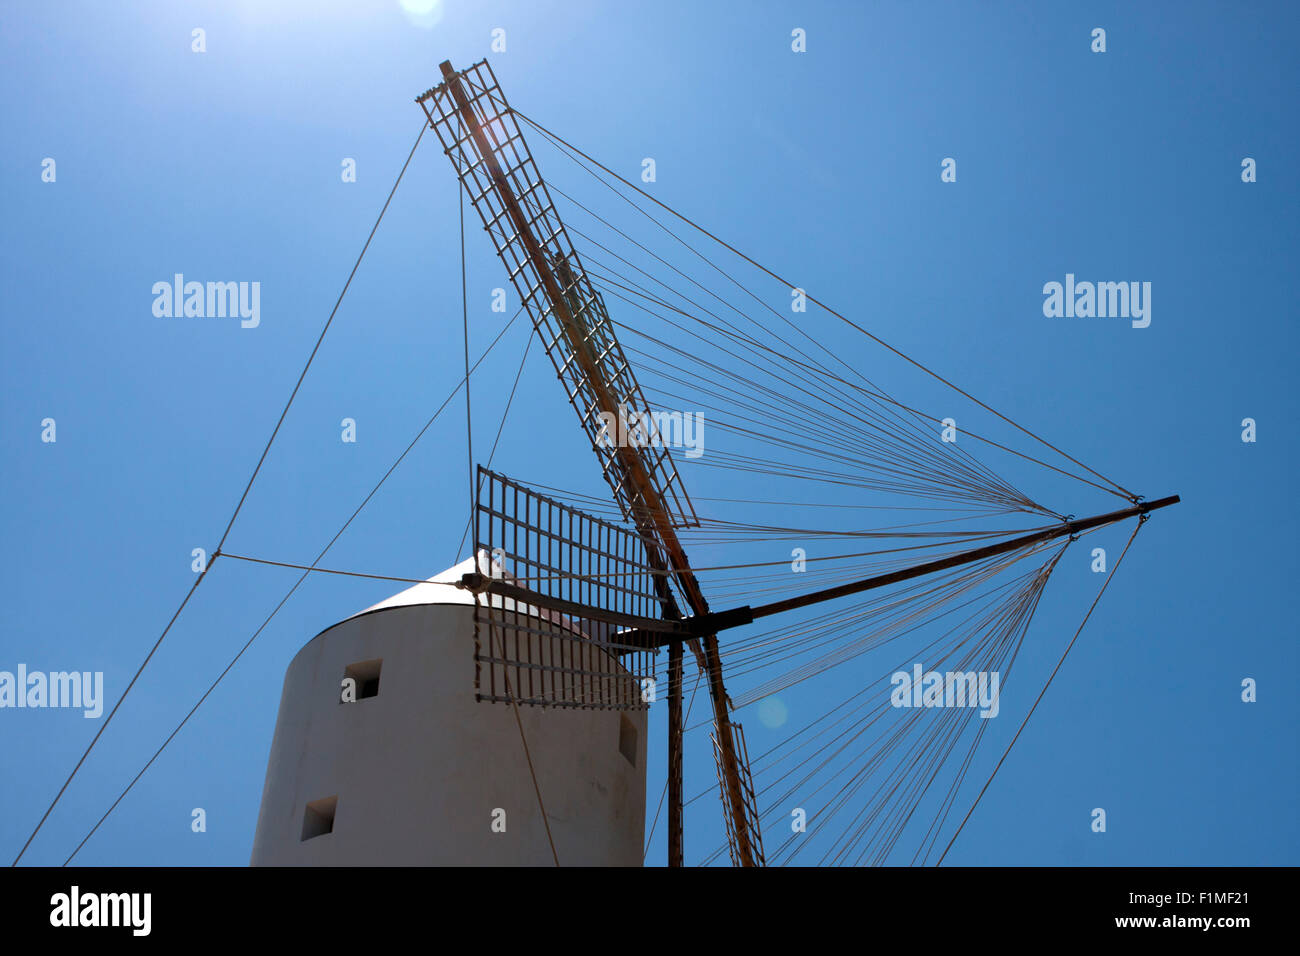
[[419, 769]]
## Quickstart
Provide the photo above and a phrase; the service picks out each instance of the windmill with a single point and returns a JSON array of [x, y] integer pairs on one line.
[[485, 141], [563, 609]]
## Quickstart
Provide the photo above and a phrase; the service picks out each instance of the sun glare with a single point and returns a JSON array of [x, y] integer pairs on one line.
[[423, 13]]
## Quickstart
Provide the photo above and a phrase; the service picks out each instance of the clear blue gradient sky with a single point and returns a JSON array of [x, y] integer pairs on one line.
[[226, 165]]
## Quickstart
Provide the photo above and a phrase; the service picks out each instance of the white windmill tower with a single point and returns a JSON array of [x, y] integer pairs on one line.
[[384, 753]]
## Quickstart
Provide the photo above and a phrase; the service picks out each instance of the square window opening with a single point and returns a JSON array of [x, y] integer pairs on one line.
[[319, 818], [365, 679]]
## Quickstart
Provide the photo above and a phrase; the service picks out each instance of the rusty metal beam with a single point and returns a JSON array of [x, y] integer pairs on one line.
[[1073, 526], [739, 616]]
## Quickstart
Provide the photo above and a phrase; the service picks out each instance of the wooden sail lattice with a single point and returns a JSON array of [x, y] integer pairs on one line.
[[480, 133], [530, 654], [752, 816], [580, 342]]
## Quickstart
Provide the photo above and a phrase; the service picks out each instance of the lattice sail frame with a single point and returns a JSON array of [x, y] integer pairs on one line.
[[532, 655], [748, 797], [594, 335]]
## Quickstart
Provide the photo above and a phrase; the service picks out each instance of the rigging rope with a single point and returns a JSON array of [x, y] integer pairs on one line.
[[1105, 584], [571, 149], [303, 577], [238, 507], [464, 312], [532, 772]]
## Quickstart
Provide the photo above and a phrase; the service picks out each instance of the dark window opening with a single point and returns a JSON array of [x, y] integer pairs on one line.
[[319, 818], [365, 674]]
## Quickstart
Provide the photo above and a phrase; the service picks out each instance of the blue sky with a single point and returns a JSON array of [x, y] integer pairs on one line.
[[825, 165]]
